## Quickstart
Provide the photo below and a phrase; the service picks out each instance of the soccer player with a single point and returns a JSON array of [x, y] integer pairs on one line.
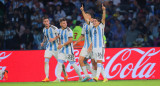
[[84, 55], [97, 45], [65, 47], [51, 36]]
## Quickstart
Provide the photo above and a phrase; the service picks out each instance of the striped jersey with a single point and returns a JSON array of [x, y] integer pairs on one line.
[[86, 31], [64, 37], [97, 36], [51, 32]]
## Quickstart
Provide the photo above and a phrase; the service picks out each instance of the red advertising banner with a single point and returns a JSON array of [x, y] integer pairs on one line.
[[119, 63]]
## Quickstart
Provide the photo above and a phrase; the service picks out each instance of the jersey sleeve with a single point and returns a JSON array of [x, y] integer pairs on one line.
[[83, 29], [102, 25], [57, 31], [70, 33], [90, 24]]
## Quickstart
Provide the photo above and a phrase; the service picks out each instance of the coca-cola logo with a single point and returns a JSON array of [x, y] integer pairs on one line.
[[4, 56], [125, 64], [142, 64]]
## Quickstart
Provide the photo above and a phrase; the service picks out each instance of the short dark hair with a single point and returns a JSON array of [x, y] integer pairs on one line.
[[45, 17], [98, 19], [62, 19]]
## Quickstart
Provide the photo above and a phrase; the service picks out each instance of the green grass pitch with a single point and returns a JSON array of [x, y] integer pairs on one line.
[[76, 83]]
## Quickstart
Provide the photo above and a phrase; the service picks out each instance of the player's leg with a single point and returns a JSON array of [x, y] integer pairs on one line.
[[94, 64], [100, 68], [83, 54], [61, 60], [55, 54], [76, 69], [72, 61], [103, 71], [47, 56], [81, 62]]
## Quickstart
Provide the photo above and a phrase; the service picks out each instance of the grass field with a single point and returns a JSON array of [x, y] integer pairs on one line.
[[75, 83]]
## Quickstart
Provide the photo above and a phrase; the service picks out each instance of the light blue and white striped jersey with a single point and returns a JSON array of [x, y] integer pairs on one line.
[[86, 31], [64, 37], [51, 32], [97, 36]]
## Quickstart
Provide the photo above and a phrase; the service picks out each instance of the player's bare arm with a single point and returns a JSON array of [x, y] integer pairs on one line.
[[53, 39], [90, 48], [84, 15], [70, 40], [79, 39], [104, 14]]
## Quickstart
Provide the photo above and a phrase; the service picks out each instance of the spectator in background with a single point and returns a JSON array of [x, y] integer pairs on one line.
[[57, 2], [157, 40], [25, 12], [35, 19], [17, 16], [29, 3], [67, 6], [59, 13], [118, 36], [27, 40], [38, 6], [130, 36], [139, 41], [154, 28], [77, 31], [88, 4], [109, 37], [1, 40], [9, 34], [77, 3], [37, 39]]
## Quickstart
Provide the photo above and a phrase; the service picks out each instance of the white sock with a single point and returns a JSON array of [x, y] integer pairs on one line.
[[59, 70], [89, 68], [94, 73], [76, 69], [99, 67], [103, 73], [64, 70], [46, 68], [85, 71]]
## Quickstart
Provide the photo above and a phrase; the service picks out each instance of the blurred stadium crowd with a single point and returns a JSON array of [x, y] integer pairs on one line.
[[129, 23]]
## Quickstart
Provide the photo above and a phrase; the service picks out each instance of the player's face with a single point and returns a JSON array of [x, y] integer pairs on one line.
[[95, 22], [63, 24], [88, 16], [46, 22]]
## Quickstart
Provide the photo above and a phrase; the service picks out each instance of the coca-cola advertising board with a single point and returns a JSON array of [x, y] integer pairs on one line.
[[119, 64]]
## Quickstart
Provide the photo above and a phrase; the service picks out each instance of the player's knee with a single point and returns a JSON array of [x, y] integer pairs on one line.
[[60, 61], [71, 62], [99, 65], [46, 59], [81, 59]]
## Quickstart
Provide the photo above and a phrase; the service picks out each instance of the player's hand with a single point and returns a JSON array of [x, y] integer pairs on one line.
[[74, 44], [51, 39], [82, 9], [89, 49], [103, 7], [42, 44], [60, 46]]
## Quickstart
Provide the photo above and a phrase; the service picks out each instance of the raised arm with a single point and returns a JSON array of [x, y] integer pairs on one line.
[[104, 14], [84, 15]]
